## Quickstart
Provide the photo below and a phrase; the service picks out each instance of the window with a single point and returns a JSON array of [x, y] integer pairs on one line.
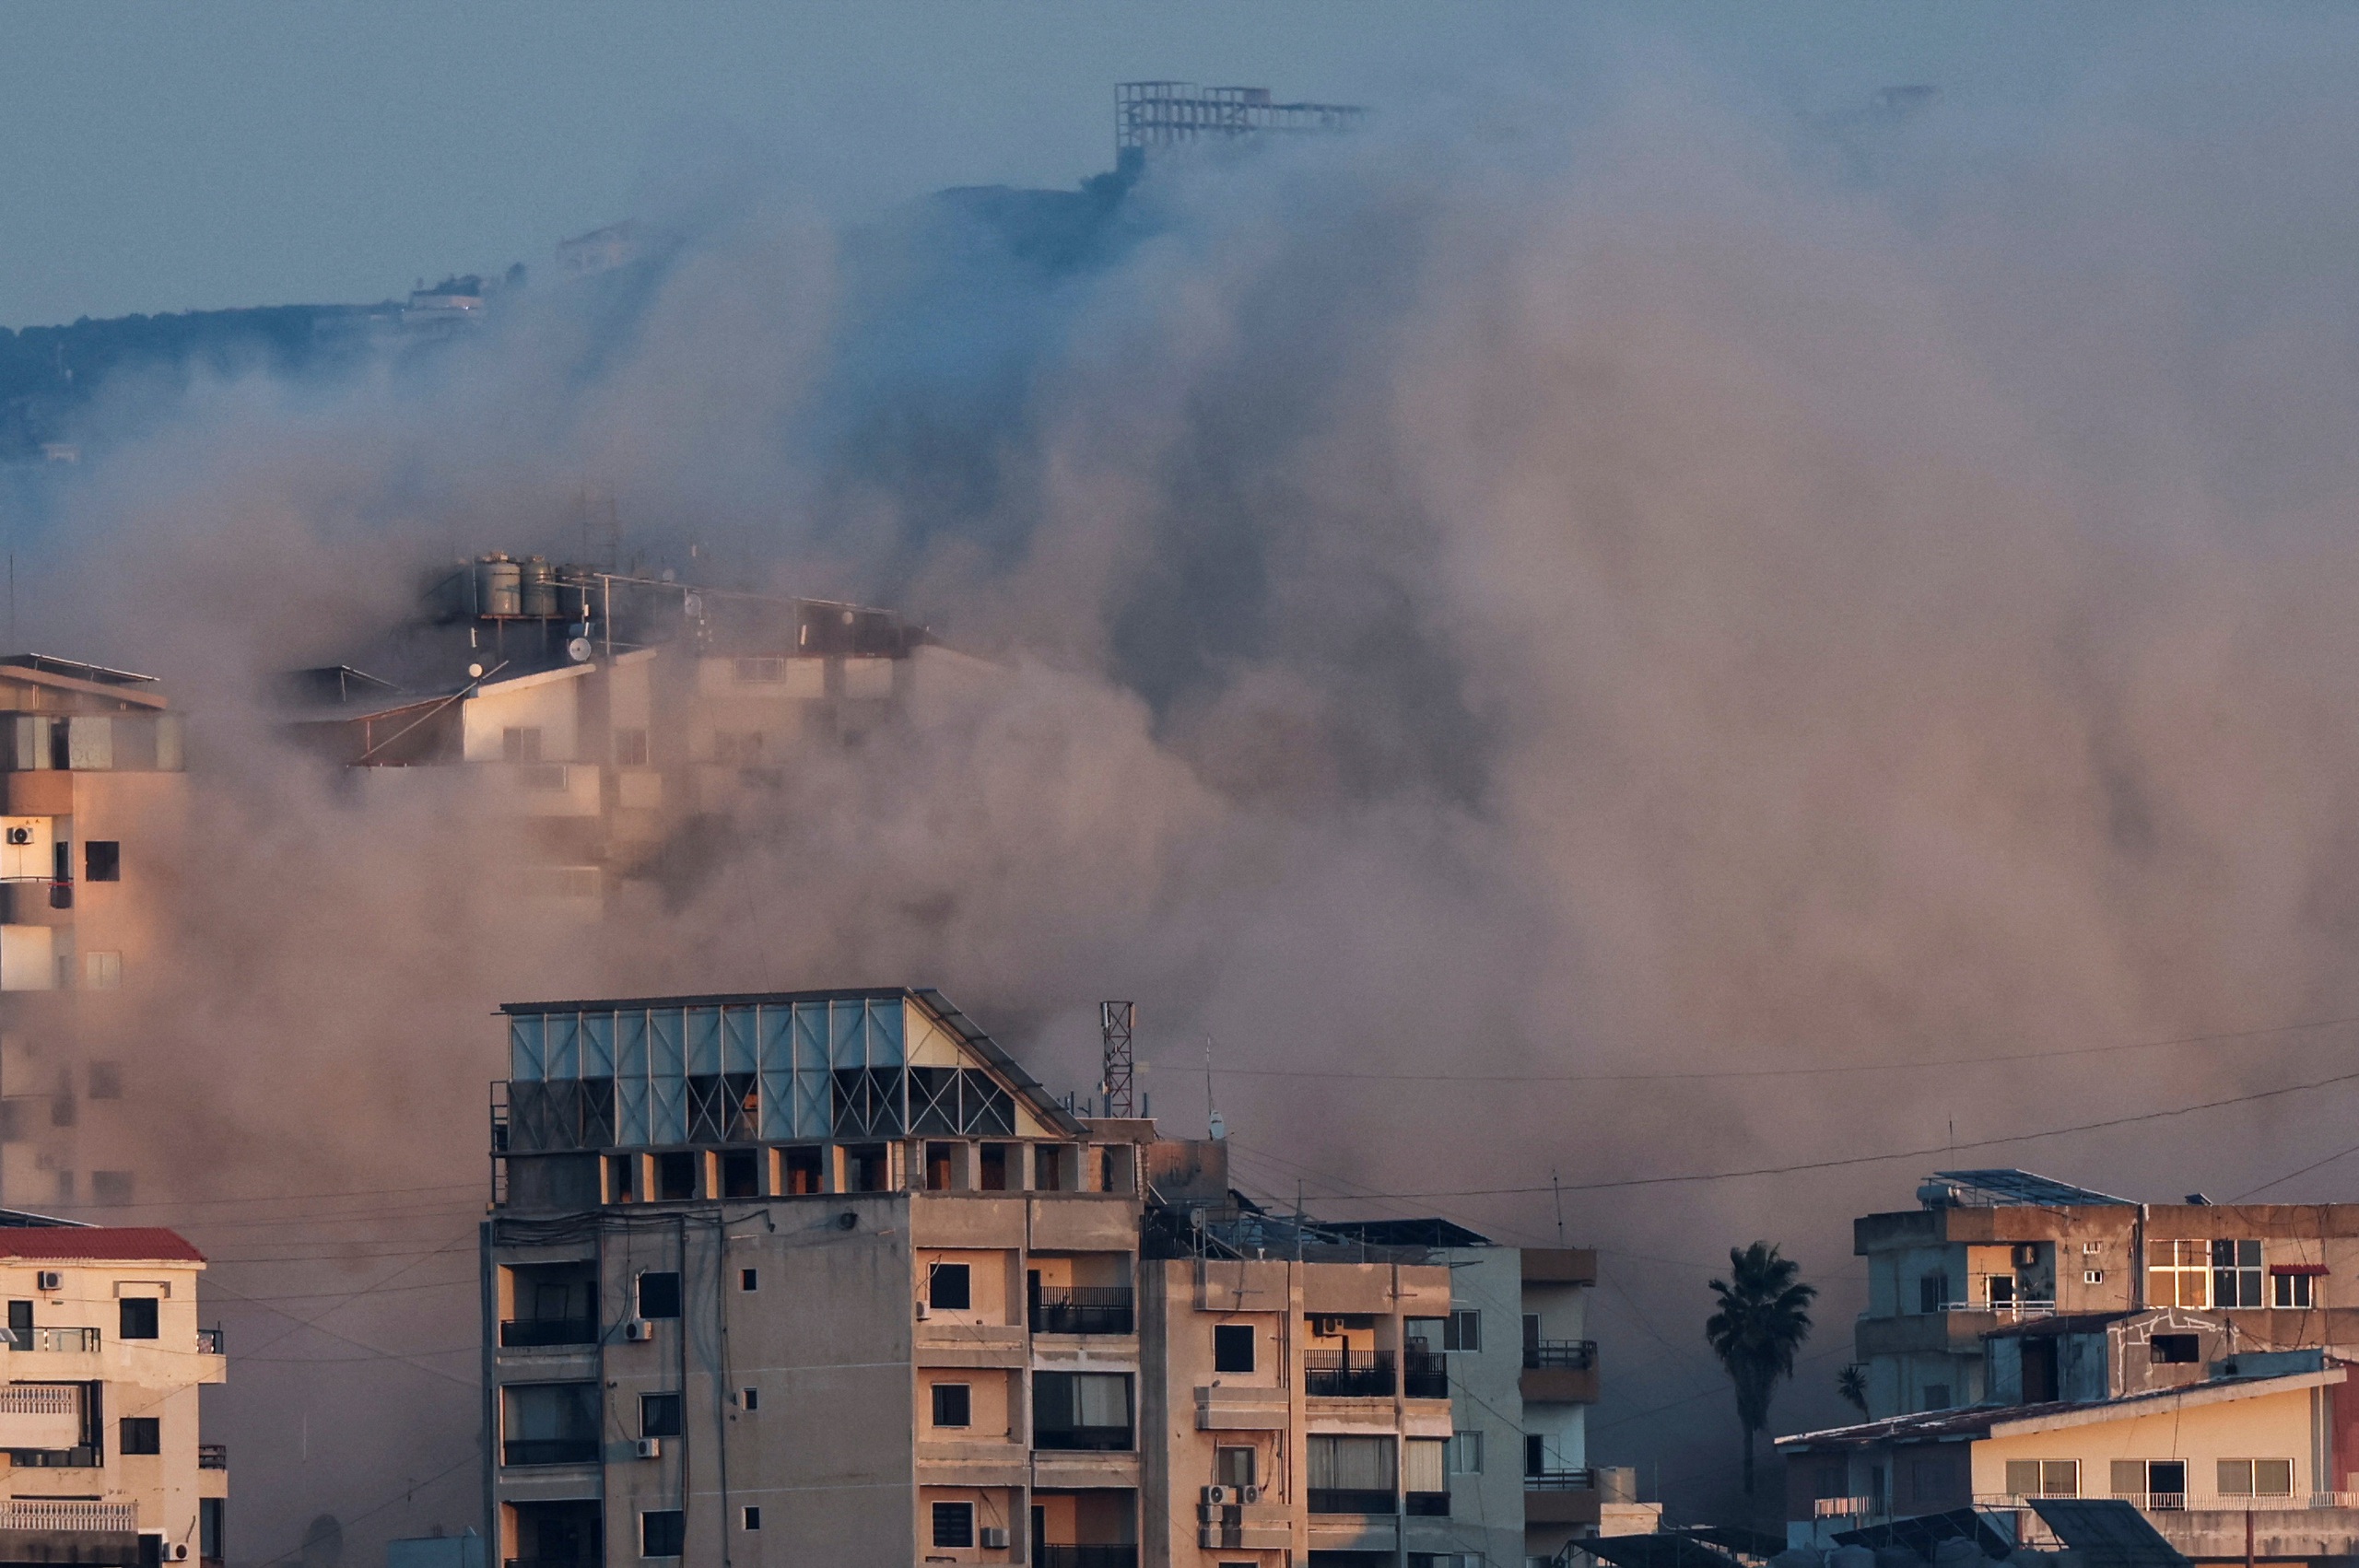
[[658, 1295], [1233, 1347], [749, 1398], [1424, 1466], [739, 1176], [1233, 1467], [2235, 1274], [663, 1532], [20, 1323], [145, 1434], [750, 1280], [2162, 1482], [801, 1172], [953, 1405], [210, 1512], [1932, 1292], [630, 748], [753, 1518], [106, 1080], [2092, 1276], [2090, 1248], [138, 1316], [548, 1424], [1466, 1453], [2178, 1273], [2256, 1478], [954, 1524], [101, 971], [992, 1176], [1463, 1331], [102, 860], [675, 1177], [760, 672], [1081, 1410], [622, 1177], [2291, 1290], [946, 1288], [2044, 1478], [1937, 1396], [658, 1415], [1536, 1454], [524, 745], [2175, 1350], [1351, 1475]]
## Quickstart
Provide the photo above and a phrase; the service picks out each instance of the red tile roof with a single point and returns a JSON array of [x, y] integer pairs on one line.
[[97, 1243]]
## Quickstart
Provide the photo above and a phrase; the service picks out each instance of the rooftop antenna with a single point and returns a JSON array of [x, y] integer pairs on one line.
[[1557, 1188], [1213, 1126], [1115, 1021]]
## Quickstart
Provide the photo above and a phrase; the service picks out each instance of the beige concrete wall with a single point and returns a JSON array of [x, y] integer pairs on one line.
[[2273, 1426]]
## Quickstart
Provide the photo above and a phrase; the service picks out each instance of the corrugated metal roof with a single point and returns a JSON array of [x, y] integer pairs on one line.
[[122, 1243]]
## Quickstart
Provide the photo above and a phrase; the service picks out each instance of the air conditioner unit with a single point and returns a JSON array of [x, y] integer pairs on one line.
[[179, 1552], [2026, 1254], [20, 836], [1249, 1495], [50, 1279], [924, 1311], [994, 1537], [650, 1448], [638, 1330], [1326, 1327], [1217, 1496]]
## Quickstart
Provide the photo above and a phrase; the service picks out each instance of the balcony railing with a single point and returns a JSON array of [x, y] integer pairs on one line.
[[1843, 1508], [51, 1339], [62, 1515], [41, 1399], [1560, 1481], [1425, 1374], [213, 1456], [549, 1451], [1347, 1374], [1083, 1439], [1083, 1310], [526, 1333], [1350, 1500], [2010, 1311], [82, 1458], [211, 1342], [1431, 1504], [2182, 1501], [1086, 1556], [1574, 1355]]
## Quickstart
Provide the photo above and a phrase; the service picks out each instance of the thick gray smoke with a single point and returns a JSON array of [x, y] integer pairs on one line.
[[1576, 656]]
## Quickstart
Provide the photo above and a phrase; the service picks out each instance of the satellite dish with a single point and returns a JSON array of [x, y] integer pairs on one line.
[[577, 649], [693, 603]]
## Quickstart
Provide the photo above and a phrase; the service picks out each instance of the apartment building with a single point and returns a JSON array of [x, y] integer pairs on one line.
[[91, 761], [100, 1411], [1986, 1250], [606, 714], [828, 1277]]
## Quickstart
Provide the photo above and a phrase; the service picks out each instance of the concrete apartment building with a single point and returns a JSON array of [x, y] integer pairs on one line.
[[1986, 1251], [91, 761], [828, 1277], [100, 1411], [608, 715]]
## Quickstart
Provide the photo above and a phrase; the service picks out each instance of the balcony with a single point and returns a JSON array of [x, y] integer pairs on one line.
[[1561, 1497], [213, 1456], [211, 1342], [1577, 1354], [1053, 1556], [549, 1451], [1561, 1372], [1350, 1500], [1083, 1310], [533, 1333], [1425, 1374], [1348, 1375], [1560, 1481], [58, 1515], [53, 1339], [1083, 1439]]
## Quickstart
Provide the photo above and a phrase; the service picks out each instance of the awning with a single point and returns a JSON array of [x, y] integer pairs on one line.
[[2311, 1269]]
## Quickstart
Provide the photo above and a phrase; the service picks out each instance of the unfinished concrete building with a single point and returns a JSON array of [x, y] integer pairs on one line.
[[828, 1277]]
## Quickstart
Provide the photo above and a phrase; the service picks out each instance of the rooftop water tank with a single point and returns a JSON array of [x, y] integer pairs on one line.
[[498, 586], [537, 587]]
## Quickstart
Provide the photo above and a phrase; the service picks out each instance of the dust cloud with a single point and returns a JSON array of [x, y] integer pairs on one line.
[[1653, 641]]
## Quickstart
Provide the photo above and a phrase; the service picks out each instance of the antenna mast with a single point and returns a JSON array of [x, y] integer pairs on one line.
[[1115, 1021]]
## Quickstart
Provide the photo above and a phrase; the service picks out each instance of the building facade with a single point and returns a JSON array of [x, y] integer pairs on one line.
[[827, 1277], [1987, 1249]]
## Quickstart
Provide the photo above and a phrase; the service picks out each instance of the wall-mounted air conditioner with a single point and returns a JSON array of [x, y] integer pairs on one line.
[[924, 1311], [1249, 1495], [50, 1279], [994, 1537], [650, 1448], [638, 1329], [1217, 1495]]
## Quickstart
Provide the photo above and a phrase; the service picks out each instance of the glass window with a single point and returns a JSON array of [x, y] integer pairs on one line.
[[658, 1295], [138, 1316], [954, 1524], [662, 1533], [953, 1404], [1466, 1453], [102, 860], [2178, 1273], [1233, 1347], [140, 1435], [2256, 1478], [1932, 1292], [946, 1287], [1423, 1466], [548, 1424], [753, 1518], [2291, 1290], [658, 1415], [2175, 1350], [1465, 1331], [2044, 1478], [2235, 1274], [1234, 1466]]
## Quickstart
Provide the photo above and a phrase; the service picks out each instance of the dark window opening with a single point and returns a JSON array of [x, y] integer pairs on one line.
[[658, 1415], [138, 1314], [750, 1280], [20, 1323], [1233, 1467], [102, 860], [993, 1173], [106, 1080], [139, 1434], [801, 1172], [1932, 1292], [954, 1524], [740, 1178], [1536, 1454], [658, 1295], [1047, 1167], [952, 1404], [675, 1177], [941, 1167], [2039, 1371], [947, 1287], [622, 1179], [752, 1516], [630, 748], [867, 1168], [1233, 1347], [750, 1398], [662, 1533], [2176, 1350], [519, 744], [1937, 1396], [210, 1517]]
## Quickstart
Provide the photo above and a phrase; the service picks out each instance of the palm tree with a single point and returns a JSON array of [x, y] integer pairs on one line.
[[1853, 1384], [1763, 1320]]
